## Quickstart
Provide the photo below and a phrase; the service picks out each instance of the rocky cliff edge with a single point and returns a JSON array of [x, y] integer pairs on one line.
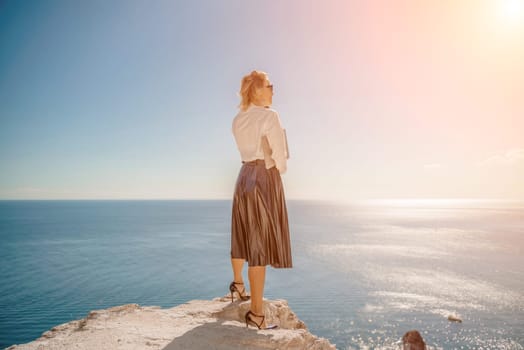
[[200, 324]]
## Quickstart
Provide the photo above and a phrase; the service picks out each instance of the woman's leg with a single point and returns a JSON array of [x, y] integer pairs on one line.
[[238, 265], [257, 278]]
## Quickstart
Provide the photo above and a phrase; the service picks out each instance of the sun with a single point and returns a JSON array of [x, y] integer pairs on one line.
[[511, 10]]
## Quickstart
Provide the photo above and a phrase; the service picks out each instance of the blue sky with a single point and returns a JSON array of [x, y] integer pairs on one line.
[[134, 99]]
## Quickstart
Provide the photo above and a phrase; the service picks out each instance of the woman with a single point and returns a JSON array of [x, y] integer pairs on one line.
[[259, 225]]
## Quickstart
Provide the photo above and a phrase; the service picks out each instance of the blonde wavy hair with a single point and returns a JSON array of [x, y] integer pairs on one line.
[[254, 80]]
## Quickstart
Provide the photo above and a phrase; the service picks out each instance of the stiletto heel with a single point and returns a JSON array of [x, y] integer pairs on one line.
[[233, 288], [259, 325]]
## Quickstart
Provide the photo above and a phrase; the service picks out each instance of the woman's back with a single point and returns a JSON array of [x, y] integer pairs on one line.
[[250, 127]]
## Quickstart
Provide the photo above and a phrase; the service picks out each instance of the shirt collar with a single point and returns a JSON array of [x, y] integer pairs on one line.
[[251, 106]]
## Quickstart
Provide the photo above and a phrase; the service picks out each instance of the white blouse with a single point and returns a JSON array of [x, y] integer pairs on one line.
[[259, 135]]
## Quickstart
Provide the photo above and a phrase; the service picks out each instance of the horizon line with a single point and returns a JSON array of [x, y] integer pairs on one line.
[[422, 199]]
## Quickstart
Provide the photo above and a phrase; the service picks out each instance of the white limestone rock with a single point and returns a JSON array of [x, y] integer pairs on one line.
[[200, 324]]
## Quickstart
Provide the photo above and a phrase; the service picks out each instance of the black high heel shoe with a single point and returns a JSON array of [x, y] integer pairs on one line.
[[233, 288], [259, 325]]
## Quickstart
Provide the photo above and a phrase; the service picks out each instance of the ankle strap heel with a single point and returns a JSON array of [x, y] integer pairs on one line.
[[258, 325], [241, 293]]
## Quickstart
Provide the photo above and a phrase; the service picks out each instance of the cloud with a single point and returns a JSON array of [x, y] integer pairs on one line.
[[511, 157]]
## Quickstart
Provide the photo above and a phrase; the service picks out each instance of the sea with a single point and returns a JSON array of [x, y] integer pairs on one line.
[[365, 272]]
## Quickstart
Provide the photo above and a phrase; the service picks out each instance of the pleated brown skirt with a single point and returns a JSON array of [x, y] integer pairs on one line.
[[259, 224]]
